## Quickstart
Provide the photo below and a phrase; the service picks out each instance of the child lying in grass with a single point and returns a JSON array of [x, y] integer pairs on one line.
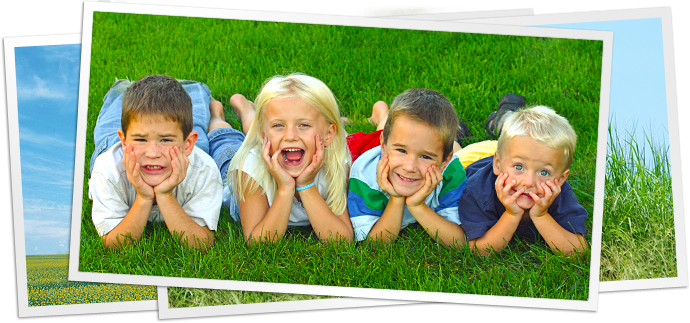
[[521, 189], [413, 176], [150, 162], [291, 169]]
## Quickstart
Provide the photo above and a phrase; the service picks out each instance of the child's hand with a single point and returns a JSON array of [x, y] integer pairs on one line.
[[433, 176], [283, 179], [550, 192], [308, 174], [179, 163], [503, 193], [133, 170], [382, 170]]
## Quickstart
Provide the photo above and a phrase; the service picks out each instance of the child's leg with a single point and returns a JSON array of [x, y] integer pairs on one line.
[[201, 98], [244, 109], [109, 120], [379, 115]]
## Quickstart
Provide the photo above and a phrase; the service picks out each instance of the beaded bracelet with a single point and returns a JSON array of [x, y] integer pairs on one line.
[[302, 188]]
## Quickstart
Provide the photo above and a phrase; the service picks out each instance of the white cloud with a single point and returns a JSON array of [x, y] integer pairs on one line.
[[40, 90], [44, 139], [46, 229]]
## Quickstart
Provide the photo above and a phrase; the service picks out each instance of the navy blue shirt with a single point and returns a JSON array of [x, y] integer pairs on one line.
[[480, 208]]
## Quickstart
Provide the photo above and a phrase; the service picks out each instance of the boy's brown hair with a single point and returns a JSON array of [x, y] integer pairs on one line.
[[429, 107], [159, 95]]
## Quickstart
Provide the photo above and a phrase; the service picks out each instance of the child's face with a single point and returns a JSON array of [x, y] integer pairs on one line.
[[292, 125], [530, 163], [412, 148], [152, 138]]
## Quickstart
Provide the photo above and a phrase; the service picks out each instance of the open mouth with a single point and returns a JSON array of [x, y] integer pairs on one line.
[[293, 156]]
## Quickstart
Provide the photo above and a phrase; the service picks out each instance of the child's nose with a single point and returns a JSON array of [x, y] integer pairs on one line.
[[291, 133], [409, 165], [152, 150], [528, 180]]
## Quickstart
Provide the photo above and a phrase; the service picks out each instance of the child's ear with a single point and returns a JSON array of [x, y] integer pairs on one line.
[[445, 162], [190, 142], [497, 167], [121, 134], [330, 135], [381, 140], [564, 176]]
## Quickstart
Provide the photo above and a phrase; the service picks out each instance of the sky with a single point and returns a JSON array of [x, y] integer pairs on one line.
[[638, 85], [47, 90]]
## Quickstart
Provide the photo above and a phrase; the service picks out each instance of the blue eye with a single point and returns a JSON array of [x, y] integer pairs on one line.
[[518, 167], [544, 173]]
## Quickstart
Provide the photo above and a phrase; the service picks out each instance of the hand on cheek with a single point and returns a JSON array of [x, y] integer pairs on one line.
[[550, 190], [503, 187], [382, 171], [283, 179], [308, 175], [433, 176], [133, 170], [179, 163]]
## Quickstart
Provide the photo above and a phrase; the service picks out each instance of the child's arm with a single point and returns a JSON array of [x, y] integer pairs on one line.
[[553, 233], [327, 225], [261, 222], [388, 226], [134, 223], [502, 232], [176, 219], [441, 230]]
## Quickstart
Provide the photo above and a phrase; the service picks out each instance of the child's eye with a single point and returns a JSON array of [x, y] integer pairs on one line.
[[426, 157], [518, 167], [277, 125], [400, 150], [305, 125], [544, 173]]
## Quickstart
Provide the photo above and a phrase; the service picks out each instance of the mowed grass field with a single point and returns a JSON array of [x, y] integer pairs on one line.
[[47, 284], [361, 66]]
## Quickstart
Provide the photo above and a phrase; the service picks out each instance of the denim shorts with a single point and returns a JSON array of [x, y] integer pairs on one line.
[[224, 143], [110, 117]]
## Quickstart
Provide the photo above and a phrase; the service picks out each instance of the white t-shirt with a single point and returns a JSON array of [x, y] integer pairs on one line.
[[298, 215], [199, 194]]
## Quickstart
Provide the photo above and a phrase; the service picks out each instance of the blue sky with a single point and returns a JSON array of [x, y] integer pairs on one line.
[[638, 84], [47, 90], [36, 26]]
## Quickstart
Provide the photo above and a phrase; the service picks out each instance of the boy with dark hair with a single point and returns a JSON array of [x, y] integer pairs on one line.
[[151, 162], [413, 176]]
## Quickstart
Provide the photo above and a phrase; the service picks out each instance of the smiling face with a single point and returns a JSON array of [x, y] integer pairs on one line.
[[530, 163], [291, 126], [412, 148], [152, 138]]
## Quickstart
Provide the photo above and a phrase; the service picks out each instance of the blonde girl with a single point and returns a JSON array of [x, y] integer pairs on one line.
[[292, 167]]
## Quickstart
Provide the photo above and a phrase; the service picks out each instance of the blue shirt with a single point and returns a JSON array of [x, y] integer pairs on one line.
[[479, 208]]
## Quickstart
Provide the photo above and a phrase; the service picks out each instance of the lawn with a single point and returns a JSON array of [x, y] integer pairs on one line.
[[361, 66]]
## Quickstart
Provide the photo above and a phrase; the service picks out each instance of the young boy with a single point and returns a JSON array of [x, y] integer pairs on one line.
[[413, 176], [521, 189], [146, 167]]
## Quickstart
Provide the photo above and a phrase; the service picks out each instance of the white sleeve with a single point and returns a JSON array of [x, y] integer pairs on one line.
[[205, 197], [110, 203], [362, 225]]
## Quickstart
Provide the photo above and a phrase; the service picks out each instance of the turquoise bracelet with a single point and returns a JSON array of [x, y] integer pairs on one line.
[[302, 188]]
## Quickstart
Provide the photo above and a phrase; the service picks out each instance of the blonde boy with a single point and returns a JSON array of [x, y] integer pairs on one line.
[[413, 176], [522, 190]]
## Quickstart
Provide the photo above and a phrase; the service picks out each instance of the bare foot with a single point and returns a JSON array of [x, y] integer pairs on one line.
[[244, 109], [379, 114], [217, 116]]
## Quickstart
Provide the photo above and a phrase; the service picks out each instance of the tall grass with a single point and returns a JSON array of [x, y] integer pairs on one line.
[[638, 236]]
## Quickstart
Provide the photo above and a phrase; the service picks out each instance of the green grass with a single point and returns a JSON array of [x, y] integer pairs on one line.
[[179, 297], [361, 66], [638, 234], [47, 285]]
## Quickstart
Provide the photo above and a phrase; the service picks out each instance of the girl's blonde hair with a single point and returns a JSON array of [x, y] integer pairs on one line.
[[337, 158], [542, 124]]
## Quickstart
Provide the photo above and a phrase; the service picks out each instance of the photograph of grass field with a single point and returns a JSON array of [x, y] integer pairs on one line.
[[361, 66], [47, 284]]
